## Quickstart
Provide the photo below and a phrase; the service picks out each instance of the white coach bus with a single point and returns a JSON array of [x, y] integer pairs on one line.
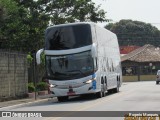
[[81, 58]]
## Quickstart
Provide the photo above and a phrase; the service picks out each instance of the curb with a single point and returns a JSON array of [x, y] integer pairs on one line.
[[8, 108]]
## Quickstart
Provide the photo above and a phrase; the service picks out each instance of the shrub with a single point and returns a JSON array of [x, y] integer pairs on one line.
[[29, 58], [31, 87], [42, 86]]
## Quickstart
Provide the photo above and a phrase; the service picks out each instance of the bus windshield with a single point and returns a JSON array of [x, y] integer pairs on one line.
[[68, 37], [68, 67]]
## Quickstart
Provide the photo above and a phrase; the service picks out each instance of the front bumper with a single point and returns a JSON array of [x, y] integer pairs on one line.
[[85, 89]]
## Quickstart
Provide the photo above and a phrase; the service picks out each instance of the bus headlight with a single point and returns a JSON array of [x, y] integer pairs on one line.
[[52, 86], [89, 81]]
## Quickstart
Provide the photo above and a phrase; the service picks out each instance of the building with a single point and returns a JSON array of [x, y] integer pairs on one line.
[[141, 64], [127, 49]]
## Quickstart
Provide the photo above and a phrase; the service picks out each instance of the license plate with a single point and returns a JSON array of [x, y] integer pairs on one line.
[[70, 93]]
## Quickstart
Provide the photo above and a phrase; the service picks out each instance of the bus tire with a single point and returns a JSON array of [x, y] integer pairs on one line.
[[157, 82], [110, 91], [104, 93], [104, 90], [99, 94], [62, 98], [116, 90]]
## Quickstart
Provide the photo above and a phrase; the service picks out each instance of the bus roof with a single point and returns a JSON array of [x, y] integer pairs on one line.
[[78, 23], [71, 24]]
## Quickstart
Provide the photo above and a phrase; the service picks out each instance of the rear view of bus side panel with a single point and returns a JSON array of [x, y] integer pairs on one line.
[[108, 57]]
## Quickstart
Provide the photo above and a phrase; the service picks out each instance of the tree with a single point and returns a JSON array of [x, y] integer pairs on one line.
[[12, 28], [2, 18], [27, 19], [135, 33], [2, 14], [64, 11]]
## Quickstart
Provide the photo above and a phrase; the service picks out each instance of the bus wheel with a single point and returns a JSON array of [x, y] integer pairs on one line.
[[62, 98], [99, 94], [110, 91], [104, 91], [104, 94], [115, 90], [157, 82]]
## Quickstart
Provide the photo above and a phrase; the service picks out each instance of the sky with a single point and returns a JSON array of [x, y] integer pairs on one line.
[[147, 11]]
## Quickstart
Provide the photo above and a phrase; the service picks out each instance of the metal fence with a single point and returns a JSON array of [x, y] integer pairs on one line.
[[13, 75]]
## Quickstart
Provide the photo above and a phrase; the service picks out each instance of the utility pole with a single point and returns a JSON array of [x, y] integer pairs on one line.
[[35, 74]]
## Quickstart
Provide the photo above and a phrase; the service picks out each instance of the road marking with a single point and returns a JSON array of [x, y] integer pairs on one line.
[[95, 103]]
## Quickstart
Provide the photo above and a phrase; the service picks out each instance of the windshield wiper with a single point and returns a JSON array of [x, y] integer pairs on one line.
[[58, 73], [78, 71]]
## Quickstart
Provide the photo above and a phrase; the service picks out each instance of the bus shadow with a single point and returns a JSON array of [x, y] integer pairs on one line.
[[72, 99], [82, 98]]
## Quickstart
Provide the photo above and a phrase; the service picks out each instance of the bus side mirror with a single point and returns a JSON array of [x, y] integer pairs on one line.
[[94, 50], [38, 56]]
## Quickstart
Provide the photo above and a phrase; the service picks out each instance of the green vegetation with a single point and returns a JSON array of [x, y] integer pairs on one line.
[[29, 58], [135, 33], [31, 87], [23, 22], [42, 86]]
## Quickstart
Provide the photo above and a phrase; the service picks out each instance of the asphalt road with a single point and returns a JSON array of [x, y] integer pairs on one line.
[[133, 96]]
